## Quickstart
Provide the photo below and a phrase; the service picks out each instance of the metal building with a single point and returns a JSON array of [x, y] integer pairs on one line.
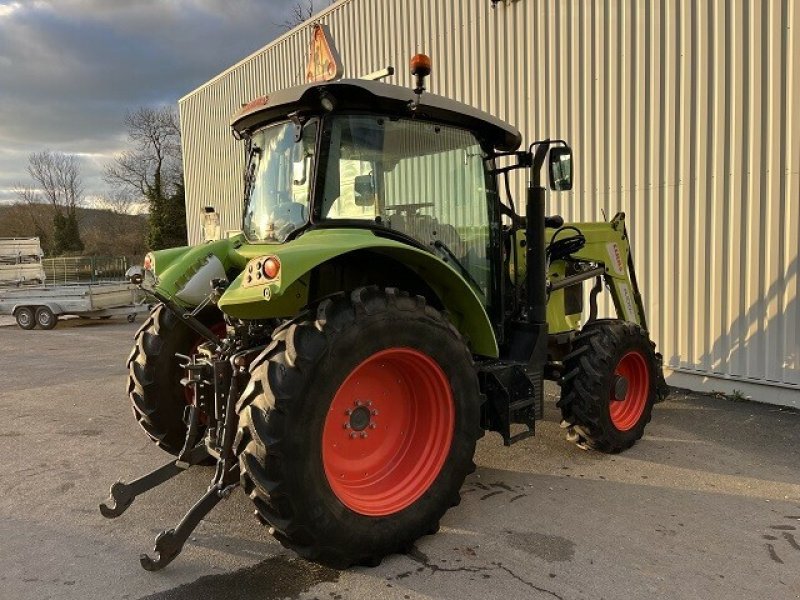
[[685, 114]]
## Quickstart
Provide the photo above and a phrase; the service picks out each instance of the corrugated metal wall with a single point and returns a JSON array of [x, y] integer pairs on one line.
[[683, 113]]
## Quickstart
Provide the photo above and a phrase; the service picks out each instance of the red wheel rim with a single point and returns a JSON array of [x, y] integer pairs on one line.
[[388, 431], [625, 413]]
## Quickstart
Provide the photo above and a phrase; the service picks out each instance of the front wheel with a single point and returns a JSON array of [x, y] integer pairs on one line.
[[358, 427], [610, 385]]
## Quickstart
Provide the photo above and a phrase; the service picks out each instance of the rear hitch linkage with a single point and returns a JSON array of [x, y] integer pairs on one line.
[[218, 441]]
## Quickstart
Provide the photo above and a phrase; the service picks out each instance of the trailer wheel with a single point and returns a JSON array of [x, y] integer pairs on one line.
[[154, 376], [25, 318], [609, 386], [358, 427], [45, 318]]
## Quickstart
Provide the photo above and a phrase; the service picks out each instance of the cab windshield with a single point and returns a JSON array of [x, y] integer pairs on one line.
[[278, 182]]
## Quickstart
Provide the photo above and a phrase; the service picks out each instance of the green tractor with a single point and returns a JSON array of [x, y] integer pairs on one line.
[[384, 306]]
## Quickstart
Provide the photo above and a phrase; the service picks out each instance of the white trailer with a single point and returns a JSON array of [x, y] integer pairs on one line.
[[42, 306]]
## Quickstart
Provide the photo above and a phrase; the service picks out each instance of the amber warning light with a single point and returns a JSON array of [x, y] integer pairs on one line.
[[420, 69]]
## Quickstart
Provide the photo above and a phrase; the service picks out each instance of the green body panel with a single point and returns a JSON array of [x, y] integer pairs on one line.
[[286, 296], [174, 266], [607, 243]]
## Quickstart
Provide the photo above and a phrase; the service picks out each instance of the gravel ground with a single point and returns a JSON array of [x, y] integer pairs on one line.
[[706, 506]]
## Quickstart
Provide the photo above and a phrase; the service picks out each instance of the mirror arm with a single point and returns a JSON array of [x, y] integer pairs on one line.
[[538, 160], [523, 161]]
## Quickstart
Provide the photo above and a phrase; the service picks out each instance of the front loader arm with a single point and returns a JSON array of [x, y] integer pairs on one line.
[[608, 244]]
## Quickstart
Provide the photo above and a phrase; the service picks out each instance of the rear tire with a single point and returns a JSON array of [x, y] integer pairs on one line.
[[300, 443], [45, 318], [25, 318], [604, 350], [154, 374]]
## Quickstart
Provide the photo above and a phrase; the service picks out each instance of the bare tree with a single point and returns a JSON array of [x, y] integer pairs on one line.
[[119, 202], [153, 166], [152, 169], [57, 181], [300, 12]]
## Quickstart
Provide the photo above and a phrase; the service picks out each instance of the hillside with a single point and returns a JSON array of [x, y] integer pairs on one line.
[[104, 232]]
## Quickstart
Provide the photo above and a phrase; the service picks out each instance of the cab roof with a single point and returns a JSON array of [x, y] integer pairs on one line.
[[374, 96]]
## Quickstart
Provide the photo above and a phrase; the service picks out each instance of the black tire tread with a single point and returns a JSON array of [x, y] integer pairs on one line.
[[156, 401], [276, 375], [584, 395]]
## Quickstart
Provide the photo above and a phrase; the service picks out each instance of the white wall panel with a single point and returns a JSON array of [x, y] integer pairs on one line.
[[685, 114]]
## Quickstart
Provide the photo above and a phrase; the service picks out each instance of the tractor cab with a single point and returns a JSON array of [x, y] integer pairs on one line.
[[367, 155], [418, 169]]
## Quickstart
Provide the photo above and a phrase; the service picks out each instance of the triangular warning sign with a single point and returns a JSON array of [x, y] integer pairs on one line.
[[324, 63]]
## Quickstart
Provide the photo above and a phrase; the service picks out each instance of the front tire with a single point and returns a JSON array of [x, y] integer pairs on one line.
[[358, 427], [609, 386]]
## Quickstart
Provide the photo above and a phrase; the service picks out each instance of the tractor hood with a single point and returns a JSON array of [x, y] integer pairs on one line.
[[184, 274]]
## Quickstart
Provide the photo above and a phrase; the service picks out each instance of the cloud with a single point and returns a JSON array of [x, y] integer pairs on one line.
[[71, 69]]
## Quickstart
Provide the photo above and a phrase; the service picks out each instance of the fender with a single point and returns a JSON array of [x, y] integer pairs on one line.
[[251, 296], [56, 308]]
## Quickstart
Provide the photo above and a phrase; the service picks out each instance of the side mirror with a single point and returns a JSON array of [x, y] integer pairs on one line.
[[560, 169], [364, 189]]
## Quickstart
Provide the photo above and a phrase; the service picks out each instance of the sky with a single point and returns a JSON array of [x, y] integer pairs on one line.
[[71, 69]]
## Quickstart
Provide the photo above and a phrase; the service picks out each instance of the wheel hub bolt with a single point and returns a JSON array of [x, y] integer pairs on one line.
[[363, 434]]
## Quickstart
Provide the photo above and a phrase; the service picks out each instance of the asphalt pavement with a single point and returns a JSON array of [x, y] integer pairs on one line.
[[706, 506]]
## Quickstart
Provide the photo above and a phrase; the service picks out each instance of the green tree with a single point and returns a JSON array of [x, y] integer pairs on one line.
[[153, 168], [66, 237]]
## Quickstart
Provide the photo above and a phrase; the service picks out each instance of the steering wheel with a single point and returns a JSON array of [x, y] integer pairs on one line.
[[405, 209]]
